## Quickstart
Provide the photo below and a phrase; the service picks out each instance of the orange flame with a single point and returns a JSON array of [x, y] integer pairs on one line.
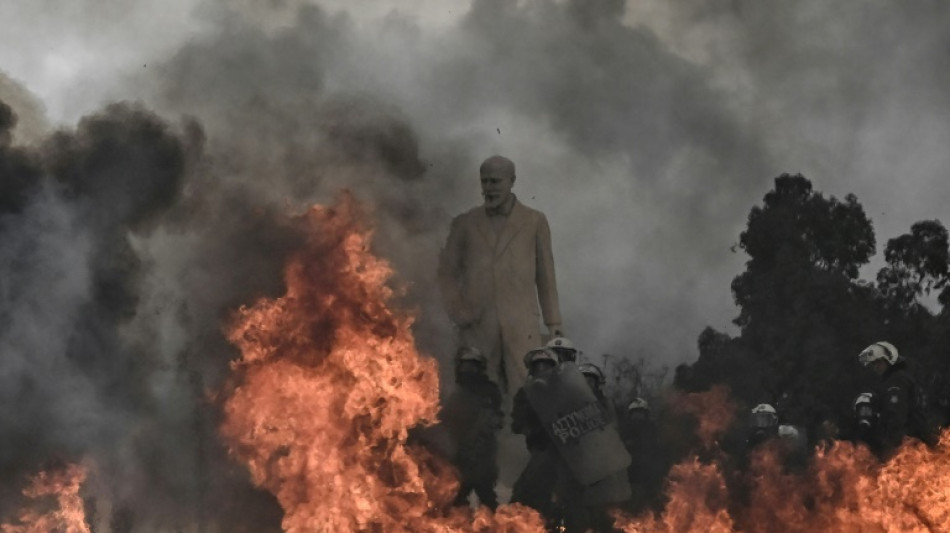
[[844, 488], [697, 502], [68, 516], [328, 385], [714, 410]]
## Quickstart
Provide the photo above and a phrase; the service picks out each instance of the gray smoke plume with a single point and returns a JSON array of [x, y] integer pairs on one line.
[[104, 358], [609, 132], [31, 123], [70, 282]]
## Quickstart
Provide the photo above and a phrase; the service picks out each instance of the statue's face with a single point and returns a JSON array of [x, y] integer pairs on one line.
[[496, 185]]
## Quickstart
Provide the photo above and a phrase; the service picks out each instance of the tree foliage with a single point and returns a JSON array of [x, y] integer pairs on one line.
[[917, 263], [797, 236], [804, 314], [629, 378]]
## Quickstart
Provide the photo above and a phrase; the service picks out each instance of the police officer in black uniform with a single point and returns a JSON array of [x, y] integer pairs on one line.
[[474, 416], [899, 403], [535, 486]]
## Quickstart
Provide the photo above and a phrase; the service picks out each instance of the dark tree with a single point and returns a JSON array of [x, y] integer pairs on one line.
[[799, 232], [917, 266], [804, 315], [917, 263]]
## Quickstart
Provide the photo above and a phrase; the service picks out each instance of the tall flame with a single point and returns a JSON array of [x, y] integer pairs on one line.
[[67, 515], [329, 383]]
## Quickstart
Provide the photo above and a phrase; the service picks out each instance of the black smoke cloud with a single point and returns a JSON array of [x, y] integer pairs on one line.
[[104, 360], [71, 281]]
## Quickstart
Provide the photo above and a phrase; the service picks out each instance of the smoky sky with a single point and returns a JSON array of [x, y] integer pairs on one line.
[[603, 132], [645, 132], [150, 161]]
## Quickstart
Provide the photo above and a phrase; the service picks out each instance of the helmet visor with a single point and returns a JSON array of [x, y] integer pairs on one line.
[[764, 420], [565, 354], [541, 359]]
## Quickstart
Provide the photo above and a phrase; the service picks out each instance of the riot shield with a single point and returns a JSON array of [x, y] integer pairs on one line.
[[577, 424], [614, 488]]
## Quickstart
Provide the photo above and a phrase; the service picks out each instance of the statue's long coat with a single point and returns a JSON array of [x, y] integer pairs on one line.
[[492, 286]]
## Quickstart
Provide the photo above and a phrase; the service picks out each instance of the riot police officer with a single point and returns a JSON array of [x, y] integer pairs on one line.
[[899, 403], [535, 486], [474, 416]]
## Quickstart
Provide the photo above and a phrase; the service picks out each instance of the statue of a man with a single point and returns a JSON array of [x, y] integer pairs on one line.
[[495, 269]]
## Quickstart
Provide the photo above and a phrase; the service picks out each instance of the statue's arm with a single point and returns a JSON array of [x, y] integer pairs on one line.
[[450, 276], [545, 279]]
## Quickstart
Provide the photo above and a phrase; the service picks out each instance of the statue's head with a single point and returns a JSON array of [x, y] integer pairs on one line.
[[498, 176]]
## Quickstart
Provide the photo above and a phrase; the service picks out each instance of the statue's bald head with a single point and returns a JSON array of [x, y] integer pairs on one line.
[[497, 177], [497, 164]]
